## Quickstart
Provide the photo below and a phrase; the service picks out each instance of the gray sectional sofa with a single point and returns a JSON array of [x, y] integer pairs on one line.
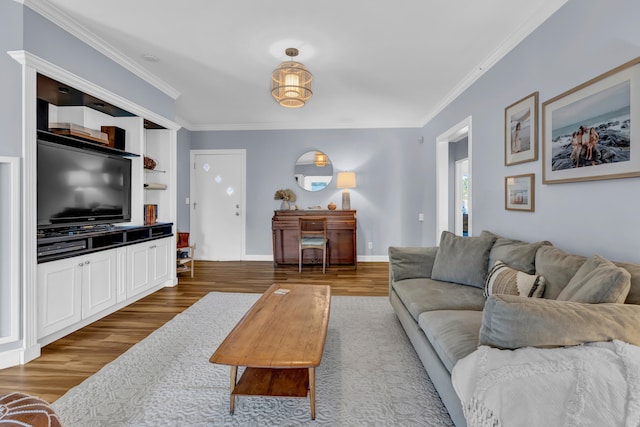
[[438, 296]]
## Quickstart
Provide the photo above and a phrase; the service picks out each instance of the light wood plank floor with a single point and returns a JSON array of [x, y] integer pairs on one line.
[[67, 362]]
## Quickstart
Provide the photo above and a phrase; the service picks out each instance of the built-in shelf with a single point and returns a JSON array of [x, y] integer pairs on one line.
[[55, 245], [155, 186], [79, 143]]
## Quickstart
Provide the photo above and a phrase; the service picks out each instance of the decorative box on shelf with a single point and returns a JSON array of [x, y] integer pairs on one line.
[[72, 129]]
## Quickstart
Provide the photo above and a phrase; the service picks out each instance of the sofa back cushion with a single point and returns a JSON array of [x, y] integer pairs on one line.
[[557, 267], [463, 260], [411, 262], [512, 322], [597, 281], [634, 290], [516, 253]]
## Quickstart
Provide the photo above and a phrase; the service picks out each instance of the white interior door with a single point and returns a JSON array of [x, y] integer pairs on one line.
[[217, 204]]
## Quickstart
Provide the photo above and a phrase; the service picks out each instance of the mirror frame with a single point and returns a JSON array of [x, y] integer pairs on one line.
[[313, 171]]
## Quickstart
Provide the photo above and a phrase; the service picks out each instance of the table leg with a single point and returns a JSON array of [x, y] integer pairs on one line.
[[234, 375], [312, 392]]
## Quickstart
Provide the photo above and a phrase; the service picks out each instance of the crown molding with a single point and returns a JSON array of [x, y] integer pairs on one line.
[[296, 126], [542, 14], [73, 27]]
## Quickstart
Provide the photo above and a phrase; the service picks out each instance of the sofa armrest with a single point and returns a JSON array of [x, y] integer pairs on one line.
[[411, 262], [511, 322]]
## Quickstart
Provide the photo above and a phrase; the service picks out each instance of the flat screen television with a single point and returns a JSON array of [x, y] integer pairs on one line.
[[79, 187]]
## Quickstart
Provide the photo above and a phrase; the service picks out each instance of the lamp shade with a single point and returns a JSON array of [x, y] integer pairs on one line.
[[291, 82], [346, 180]]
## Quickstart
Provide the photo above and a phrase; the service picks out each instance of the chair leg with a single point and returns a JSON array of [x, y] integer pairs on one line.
[[324, 259], [299, 260]]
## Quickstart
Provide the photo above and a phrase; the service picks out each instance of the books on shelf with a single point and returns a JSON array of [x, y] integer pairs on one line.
[[150, 214]]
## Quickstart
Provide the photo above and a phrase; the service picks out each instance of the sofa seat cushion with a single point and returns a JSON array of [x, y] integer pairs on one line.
[[452, 333], [420, 295]]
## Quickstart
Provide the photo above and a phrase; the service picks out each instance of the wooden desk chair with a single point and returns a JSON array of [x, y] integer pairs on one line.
[[312, 234]]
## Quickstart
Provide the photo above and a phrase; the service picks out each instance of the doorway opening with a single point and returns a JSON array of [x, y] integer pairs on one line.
[[454, 180], [461, 194]]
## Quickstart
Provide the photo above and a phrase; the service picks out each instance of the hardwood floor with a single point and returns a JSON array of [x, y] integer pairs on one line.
[[66, 362]]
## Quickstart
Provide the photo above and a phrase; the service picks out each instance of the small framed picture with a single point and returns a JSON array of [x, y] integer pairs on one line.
[[521, 131], [590, 132], [519, 193]]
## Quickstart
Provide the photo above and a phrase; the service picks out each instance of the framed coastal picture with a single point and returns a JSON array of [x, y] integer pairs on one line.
[[591, 131], [521, 131], [519, 193]]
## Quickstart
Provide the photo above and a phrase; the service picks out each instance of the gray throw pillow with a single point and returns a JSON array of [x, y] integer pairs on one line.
[[411, 262], [511, 322], [516, 253], [463, 260], [597, 281]]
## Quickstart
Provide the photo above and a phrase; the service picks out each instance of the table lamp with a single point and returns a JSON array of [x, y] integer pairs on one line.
[[346, 180]]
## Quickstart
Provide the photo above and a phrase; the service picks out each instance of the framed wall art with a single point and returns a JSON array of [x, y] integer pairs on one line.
[[521, 131], [591, 131], [519, 193]]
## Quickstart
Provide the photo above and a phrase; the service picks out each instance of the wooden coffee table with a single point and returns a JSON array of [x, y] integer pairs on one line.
[[280, 342]]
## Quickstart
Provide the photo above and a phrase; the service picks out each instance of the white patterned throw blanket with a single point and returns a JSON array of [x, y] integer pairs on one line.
[[595, 384]]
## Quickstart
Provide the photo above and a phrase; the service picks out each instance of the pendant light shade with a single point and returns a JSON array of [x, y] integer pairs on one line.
[[320, 159], [291, 82]]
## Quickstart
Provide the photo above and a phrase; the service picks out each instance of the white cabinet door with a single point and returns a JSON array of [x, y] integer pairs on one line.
[[138, 268], [99, 282], [161, 267], [148, 265], [59, 295]]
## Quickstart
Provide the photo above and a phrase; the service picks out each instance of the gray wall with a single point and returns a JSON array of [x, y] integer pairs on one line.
[[598, 217], [182, 189], [387, 197], [10, 76]]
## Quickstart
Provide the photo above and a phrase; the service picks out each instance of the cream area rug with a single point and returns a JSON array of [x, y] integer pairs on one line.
[[369, 376]]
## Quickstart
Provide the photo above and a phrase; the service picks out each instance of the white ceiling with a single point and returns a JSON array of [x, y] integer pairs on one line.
[[376, 63]]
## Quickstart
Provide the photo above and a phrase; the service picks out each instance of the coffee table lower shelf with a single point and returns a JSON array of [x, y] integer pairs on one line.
[[273, 382]]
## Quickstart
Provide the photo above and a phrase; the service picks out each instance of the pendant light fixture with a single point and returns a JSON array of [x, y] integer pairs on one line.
[[320, 159], [291, 82]]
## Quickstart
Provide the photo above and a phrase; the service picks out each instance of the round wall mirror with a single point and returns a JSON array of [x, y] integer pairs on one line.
[[313, 171]]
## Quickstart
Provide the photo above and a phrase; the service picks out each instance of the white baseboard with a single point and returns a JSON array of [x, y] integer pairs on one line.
[[373, 258]]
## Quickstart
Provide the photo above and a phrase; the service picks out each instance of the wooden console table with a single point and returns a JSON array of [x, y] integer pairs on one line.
[[341, 232]]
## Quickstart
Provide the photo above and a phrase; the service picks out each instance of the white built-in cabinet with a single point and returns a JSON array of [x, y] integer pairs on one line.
[[41, 302], [74, 289]]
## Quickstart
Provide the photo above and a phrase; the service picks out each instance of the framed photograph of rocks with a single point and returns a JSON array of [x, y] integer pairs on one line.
[[521, 131], [592, 131], [519, 193]]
